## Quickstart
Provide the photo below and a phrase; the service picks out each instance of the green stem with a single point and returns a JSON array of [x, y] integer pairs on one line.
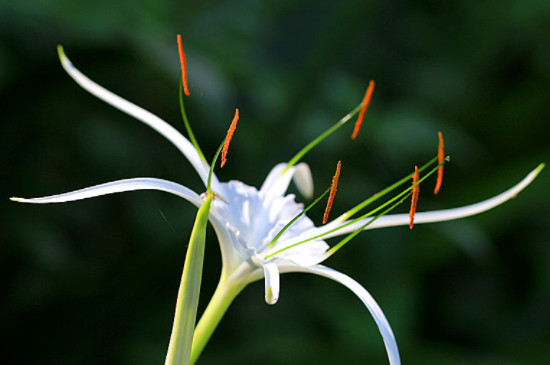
[[221, 300]]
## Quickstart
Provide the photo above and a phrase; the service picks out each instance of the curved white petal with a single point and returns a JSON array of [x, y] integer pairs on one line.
[[272, 285], [437, 215], [366, 298], [276, 183], [165, 129], [143, 183], [304, 180]]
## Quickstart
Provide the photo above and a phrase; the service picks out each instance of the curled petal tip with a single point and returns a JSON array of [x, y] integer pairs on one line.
[[62, 56], [23, 200], [60, 51], [272, 285], [304, 180], [539, 168], [270, 298]]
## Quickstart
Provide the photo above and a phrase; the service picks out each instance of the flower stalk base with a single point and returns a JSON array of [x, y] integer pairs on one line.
[[224, 295]]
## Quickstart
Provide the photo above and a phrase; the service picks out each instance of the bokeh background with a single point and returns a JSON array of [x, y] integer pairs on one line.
[[95, 282]]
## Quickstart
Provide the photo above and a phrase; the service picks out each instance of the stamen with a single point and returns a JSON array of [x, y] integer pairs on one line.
[[399, 197], [348, 238], [294, 160], [230, 132], [332, 191], [440, 158], [383, 192], [183, 63], [287, 226], [214, 160], [414, 199], [187, 124], [216, 195], [365, 103]]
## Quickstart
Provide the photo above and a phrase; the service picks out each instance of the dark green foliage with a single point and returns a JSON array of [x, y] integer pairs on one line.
[[95, 282]]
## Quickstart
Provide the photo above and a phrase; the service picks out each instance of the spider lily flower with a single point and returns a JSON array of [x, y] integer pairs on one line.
[[251, 224]]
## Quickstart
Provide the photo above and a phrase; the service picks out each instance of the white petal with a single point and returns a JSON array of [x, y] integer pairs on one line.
[[141, 114], [119, 186], [437, 215], [276, 183], [368, 301], [271, 273], [304, 180]]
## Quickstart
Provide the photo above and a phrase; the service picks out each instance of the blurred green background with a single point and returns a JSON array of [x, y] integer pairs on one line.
[[95, 281]]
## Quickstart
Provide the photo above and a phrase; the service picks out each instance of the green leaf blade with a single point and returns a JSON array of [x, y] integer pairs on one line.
[[181, 339]]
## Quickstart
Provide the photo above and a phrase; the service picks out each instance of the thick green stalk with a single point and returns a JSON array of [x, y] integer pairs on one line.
[[179, 350], [221, 300]]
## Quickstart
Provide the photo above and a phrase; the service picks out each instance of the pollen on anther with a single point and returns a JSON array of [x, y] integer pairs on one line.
[[414, 197], [440, 158], [366, 101], [332, 191], [228, 137], [183, 63]]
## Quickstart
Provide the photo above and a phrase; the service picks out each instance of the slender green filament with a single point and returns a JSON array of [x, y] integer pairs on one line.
[[319, 139], [188, 125], [295, 219], [383, 192], [209, 184], [348, 238], [370, 213]]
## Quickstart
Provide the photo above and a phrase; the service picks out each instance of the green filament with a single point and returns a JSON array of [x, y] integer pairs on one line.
[[209, 183], [348, 238], [383, 192], [187, 125], [294, 220], [319, 139], [370, 213]]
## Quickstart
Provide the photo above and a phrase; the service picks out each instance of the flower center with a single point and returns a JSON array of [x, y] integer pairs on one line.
[[253, 219]]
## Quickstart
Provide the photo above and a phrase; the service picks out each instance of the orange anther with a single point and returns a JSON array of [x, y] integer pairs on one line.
[[414, 198], [332, 191], [440, 158], [228, 137], [366, 101], [183, 63]]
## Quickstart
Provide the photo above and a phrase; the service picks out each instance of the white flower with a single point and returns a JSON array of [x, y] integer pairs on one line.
[[249, 219]]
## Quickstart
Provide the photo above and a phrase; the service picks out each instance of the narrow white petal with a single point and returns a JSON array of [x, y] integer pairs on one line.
[[368, 301], [277, 181], [272, 286], [141, 114], [437, 215], [119, 186]]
